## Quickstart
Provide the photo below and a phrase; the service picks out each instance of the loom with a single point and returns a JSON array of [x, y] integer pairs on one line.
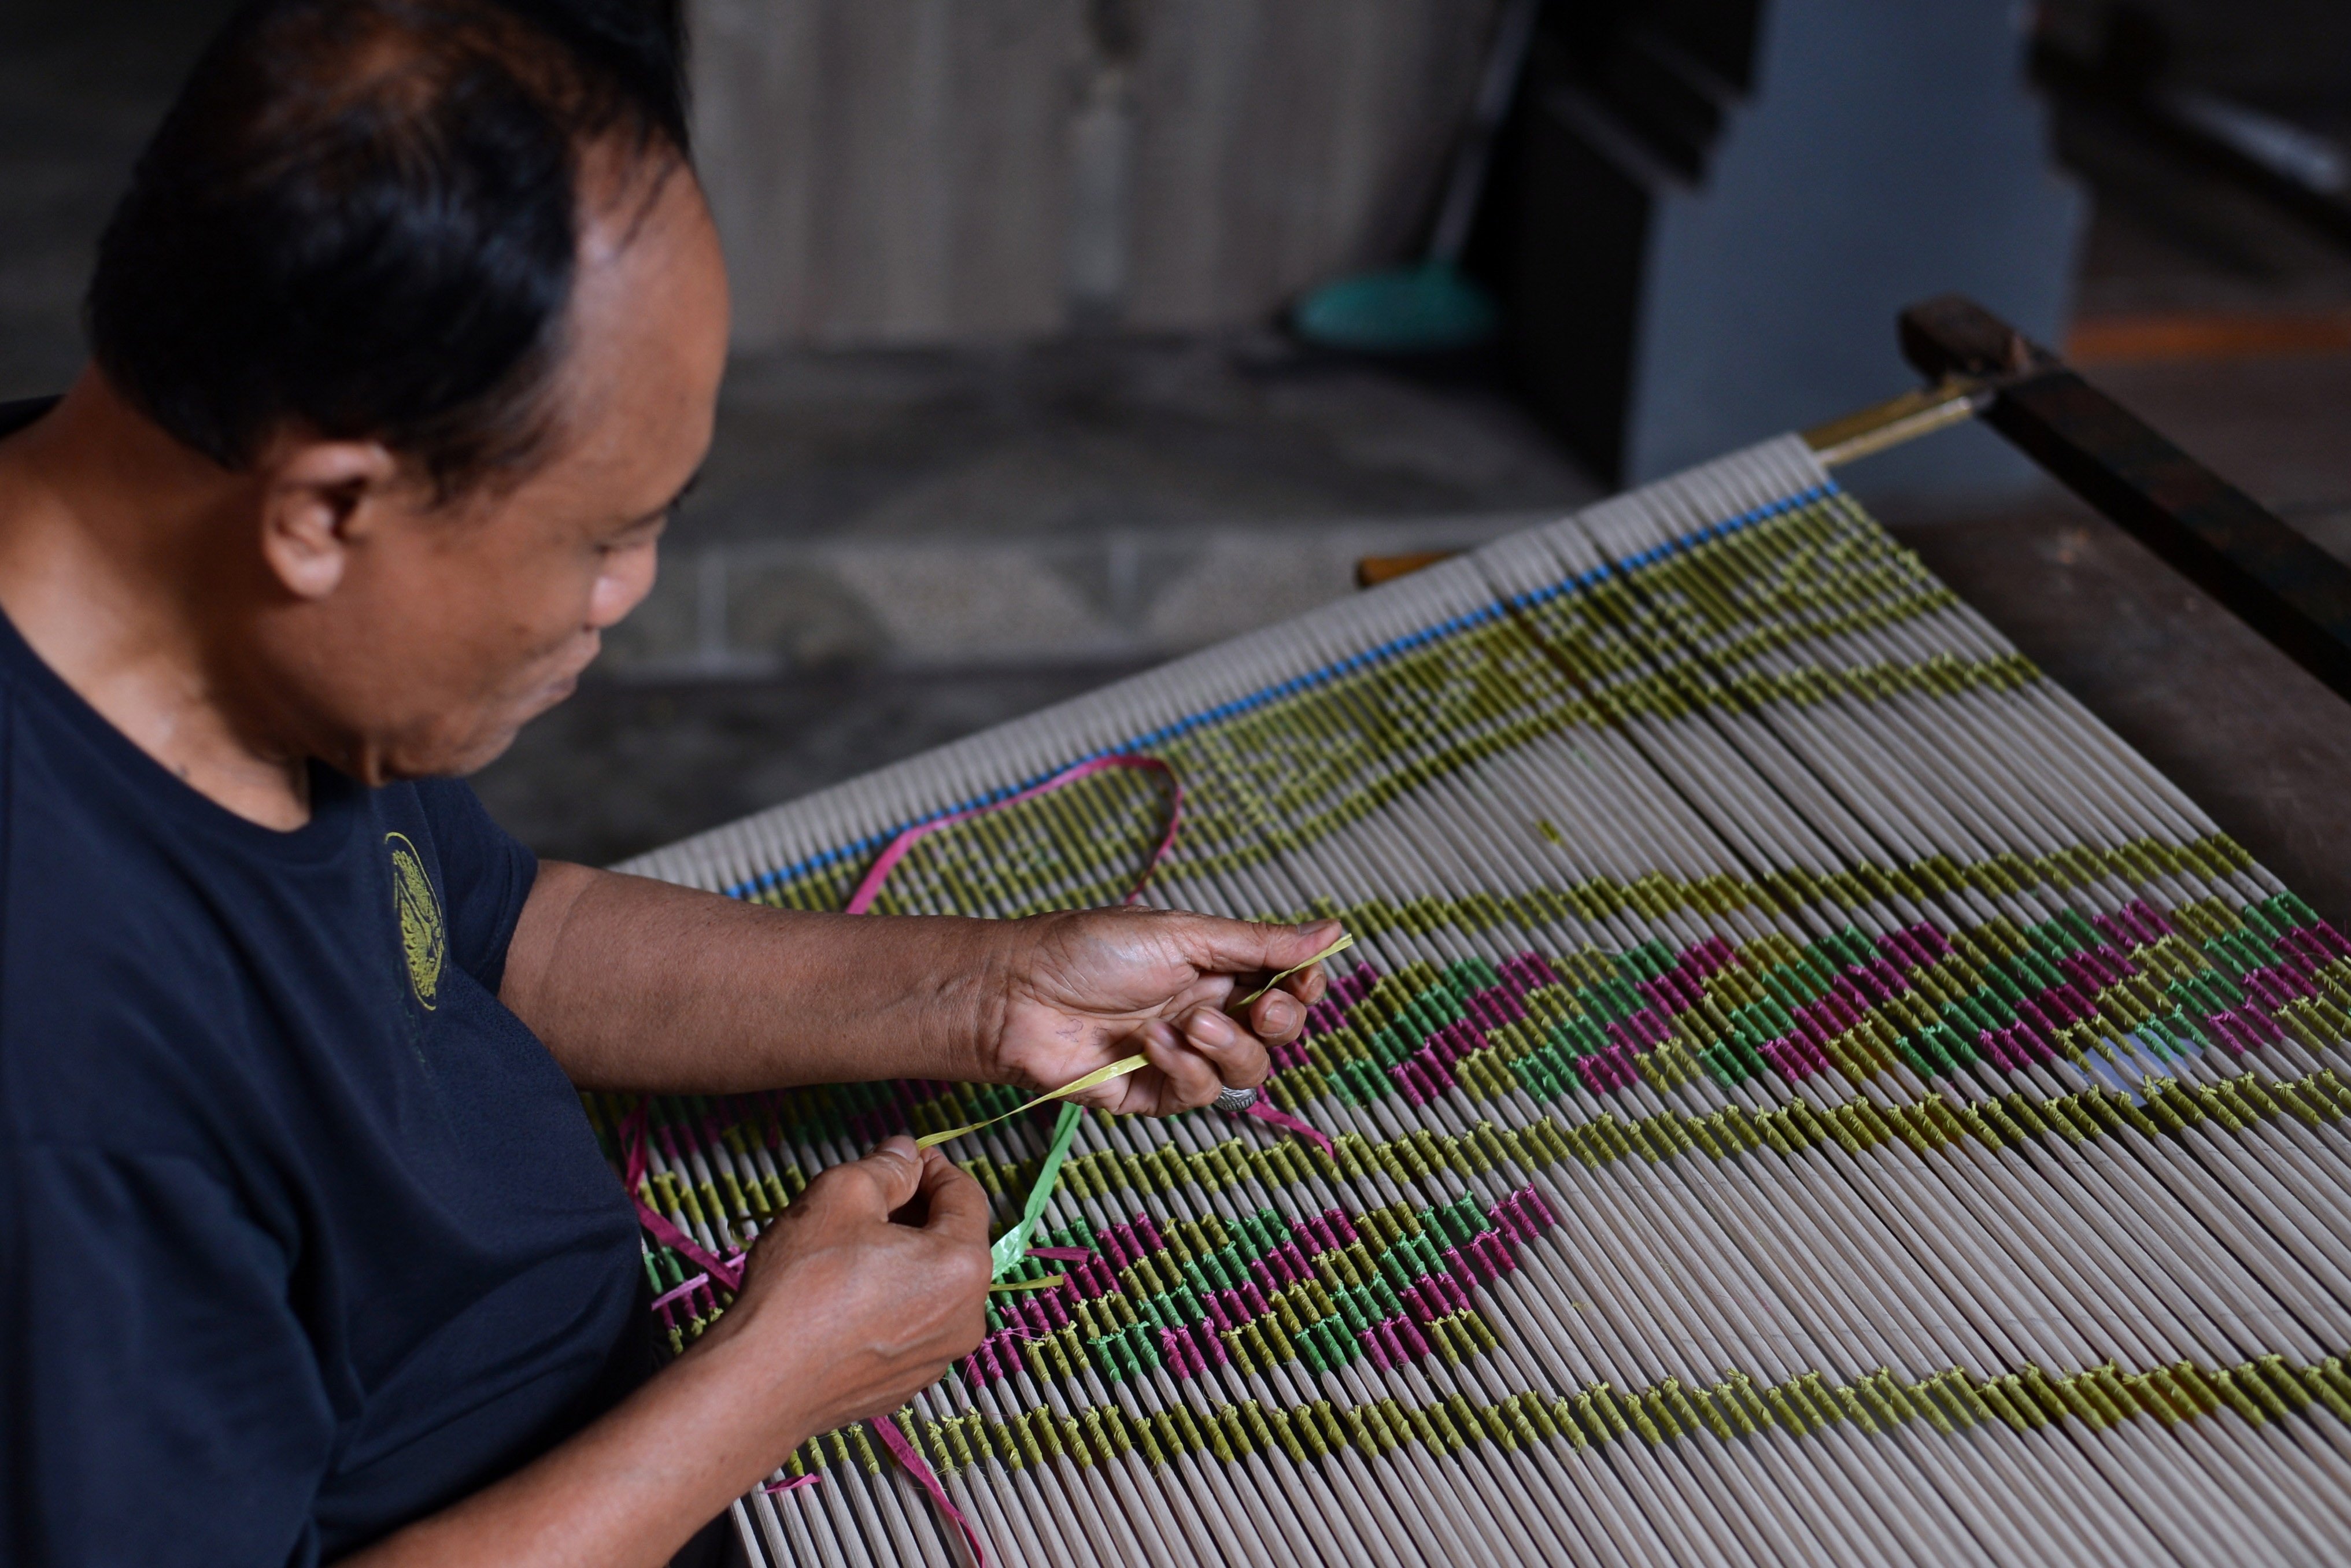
[[1803, 1091]]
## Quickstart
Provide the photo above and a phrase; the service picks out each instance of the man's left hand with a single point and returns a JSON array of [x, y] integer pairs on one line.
[[1079, 991]]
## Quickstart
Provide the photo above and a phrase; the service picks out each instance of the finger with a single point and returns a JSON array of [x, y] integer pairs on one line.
[[1116, 1096], [1140, 1094], [955, 1281], [1245, 946], [1191, 1078], [1277, 1017], [1238, 1056], [959, 1204], [1147, 1091]]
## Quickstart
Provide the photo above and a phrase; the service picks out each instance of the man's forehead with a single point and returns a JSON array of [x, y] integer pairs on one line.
[[645, 334], [625, 188]]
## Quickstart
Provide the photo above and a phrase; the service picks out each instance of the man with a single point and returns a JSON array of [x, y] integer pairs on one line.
[[406, 339]]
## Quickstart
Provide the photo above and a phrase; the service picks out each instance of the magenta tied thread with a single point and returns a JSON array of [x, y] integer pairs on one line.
[[861, 901], [904, 1452], [1264, 1110], [633, 1146]]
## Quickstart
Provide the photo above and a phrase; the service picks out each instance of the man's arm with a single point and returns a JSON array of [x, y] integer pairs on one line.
[[637, 984]]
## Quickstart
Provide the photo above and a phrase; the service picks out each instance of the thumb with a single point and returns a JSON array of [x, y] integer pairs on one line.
[[1244, 946], [958, 1205], [895, 1168]]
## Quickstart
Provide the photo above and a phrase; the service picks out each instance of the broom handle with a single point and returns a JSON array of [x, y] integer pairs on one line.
[[1513, 31]]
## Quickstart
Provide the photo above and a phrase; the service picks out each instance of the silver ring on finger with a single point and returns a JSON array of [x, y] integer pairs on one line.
[[1232, 1101]]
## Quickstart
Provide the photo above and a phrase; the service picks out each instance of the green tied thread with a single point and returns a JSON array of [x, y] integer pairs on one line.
[[1012, 1247]]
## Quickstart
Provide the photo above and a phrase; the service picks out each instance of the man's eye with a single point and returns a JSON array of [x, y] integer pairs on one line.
[[637, 540]]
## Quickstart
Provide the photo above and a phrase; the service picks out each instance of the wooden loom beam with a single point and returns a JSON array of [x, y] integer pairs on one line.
[[2268, 575]]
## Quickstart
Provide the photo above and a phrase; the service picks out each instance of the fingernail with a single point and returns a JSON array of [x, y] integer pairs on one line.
[[1280, 1011], [1212, 1028]]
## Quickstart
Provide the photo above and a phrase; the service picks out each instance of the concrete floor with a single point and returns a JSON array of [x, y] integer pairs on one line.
[[1069, 501], [627, 765]]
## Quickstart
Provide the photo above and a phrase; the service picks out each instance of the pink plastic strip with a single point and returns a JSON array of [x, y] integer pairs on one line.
[[1264, 1110], [917, 1467], [697, 1282], [1060, 1254], [633, 1145], [870, 888], [775, 1489]]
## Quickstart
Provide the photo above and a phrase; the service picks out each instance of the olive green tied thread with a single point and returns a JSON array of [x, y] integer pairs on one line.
[[1735, 1406]]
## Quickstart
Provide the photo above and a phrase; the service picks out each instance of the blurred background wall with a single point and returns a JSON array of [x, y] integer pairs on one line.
[[1715, 206], [948, 171], [1720, 204]]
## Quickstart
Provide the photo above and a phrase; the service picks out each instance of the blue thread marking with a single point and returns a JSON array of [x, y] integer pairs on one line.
[[1258, 698]]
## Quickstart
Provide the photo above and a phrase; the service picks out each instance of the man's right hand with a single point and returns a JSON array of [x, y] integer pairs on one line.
[[845, 1312]]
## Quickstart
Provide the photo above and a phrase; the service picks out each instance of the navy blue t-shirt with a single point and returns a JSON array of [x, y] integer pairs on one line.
[[303, 1235]]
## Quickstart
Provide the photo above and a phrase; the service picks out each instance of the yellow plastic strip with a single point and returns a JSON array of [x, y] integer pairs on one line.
[[1100, 1075], [1046, 1283], [1341, 945]]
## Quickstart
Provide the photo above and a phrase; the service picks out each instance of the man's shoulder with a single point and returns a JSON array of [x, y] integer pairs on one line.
[[116, 1027], [118, 991], [481, 871]]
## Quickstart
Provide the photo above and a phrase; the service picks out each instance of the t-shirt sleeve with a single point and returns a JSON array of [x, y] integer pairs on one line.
[[485, 876], [159, 1401]]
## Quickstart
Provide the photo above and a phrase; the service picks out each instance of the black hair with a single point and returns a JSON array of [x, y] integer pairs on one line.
[[361, 217]]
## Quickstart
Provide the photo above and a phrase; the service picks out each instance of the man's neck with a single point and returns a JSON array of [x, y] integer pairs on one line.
[[117, 555]]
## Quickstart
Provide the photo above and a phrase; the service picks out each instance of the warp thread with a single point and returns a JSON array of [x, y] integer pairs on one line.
[[1013, 1247], [726, 1272], [870, 887]]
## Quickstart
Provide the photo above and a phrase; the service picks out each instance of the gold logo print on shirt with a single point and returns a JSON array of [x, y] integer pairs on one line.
[[422, 937]]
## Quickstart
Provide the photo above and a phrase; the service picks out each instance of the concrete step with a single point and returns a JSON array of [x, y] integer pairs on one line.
[[754, 607]]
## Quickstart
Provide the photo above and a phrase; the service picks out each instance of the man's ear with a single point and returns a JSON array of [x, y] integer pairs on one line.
[[321, 498]]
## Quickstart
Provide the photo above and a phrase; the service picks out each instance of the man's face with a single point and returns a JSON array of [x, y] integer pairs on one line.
[[455, 624]]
